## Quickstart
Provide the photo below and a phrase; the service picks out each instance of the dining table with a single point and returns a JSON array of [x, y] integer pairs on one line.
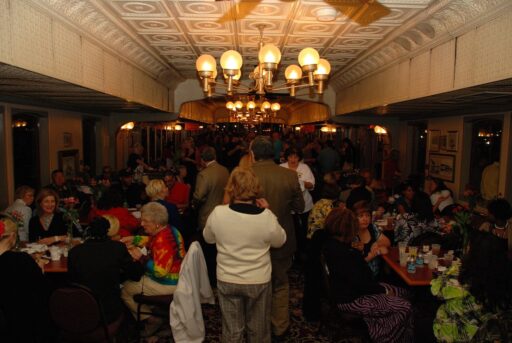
[[421, 277]]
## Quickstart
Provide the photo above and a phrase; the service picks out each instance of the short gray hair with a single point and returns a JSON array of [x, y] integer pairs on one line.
[[262, 148], [155, 212], [208, 154]]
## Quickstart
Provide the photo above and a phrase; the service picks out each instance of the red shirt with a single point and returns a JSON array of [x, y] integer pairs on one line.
[[178, 194]]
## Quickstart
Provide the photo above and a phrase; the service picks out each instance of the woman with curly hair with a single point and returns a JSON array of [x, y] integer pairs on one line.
[[478, 295]]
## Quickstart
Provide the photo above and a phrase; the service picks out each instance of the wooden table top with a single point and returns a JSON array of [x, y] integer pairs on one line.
[[60, 266], [421, 277]]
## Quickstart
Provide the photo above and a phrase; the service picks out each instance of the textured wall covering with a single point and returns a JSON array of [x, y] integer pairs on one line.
[[442, 65]]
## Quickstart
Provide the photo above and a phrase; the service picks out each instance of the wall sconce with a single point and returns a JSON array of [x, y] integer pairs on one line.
[[380, 130], [128, 126]]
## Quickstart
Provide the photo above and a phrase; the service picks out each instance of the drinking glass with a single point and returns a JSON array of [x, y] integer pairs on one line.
[[448, 258], [432, 264], [436, 249], [403, 259], [402, 247], [413, 251]]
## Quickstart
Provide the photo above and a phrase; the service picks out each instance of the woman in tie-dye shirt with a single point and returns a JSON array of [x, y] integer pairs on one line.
[[162, 252]]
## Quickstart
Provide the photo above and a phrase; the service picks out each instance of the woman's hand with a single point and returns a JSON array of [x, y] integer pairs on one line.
[[262, 203], [135, 253], [128, 240], [358, 245]]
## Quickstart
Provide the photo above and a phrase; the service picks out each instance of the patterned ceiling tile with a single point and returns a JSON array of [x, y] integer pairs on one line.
[[200, 9], [251, 26], [142, 9], [153, 25], [309, 10], [174, 49], [211, 39], [253, 40], [372, 31], [163, 38], [315, 28], [263, 9], [309, 40], [354, 43], [193, 25]]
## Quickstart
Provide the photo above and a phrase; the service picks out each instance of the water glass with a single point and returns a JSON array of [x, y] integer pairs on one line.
[[448, 258], [413, 251], [432, 264], [402, 247], [403, 259], [436, 249]]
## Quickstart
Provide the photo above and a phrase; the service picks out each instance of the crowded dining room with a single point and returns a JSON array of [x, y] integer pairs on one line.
[[255, 171]]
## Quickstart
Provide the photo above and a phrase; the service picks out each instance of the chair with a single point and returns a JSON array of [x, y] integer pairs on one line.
[[159, 304], [334, 317], [78, 314]]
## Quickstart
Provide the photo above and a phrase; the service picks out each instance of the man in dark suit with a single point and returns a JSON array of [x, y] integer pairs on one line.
[[282, 191], [208, 193]]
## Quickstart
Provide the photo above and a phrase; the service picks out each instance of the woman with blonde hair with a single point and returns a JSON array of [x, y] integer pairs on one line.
[[157, 191], [48, 225], [25, 292], [244, 233]]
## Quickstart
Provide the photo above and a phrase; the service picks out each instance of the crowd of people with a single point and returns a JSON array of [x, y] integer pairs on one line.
[[257, 204]]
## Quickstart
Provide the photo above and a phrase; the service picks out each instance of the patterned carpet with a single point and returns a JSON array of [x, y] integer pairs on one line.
[[301, 331]]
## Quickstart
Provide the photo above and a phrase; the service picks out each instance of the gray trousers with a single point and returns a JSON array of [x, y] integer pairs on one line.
[[245, 308]]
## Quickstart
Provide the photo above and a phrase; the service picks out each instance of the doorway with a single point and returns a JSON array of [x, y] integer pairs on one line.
[[25, 139], [418, 155], [89, 145]]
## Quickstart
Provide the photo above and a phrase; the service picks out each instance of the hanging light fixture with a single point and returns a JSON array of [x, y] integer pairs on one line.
[[315, 68], [248, 108]]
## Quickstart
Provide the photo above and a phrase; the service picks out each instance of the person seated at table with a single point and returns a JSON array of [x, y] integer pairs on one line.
[[368, 239], [499, 225], [161, 251], [440, 196], [383, 307], [48, 225], [111, 203], [133, 193], [420, 225], [404, 202], [102, 265], [24, 292], [359, 192], [157, 191], [24, 197], [478, 294], [328, 200]]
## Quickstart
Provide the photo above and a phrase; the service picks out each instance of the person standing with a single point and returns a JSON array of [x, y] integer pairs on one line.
[[243, 233], [280, 187], [208, 193]]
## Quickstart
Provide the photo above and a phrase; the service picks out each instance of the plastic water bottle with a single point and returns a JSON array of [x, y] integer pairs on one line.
[[419, 260], [411, 265]]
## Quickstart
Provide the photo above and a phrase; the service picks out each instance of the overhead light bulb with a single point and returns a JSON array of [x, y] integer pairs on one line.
[[275, 107], [293, 73], [231, 60], [269, 53], [308, 56], [230, 105], [251, 105], [178, 127], [380, 130], [323, 67], [206, 63], [265, 105], [128, 126], [239, 104]]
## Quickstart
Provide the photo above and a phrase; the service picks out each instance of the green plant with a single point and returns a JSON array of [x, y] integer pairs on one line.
[[462, 226]]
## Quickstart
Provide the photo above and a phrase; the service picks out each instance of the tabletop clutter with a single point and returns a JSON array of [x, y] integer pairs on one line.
[[413, 257]]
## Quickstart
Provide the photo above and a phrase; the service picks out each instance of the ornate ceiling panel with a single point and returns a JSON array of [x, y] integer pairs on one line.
[[168, 35]]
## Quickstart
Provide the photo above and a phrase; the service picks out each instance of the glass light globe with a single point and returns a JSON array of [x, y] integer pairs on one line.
[[323, 67], [239, 104], [275, 107], [178, 127], [265, 105], [206, 63], [230, 105], [236, 77], [308, 56], [293, 72], [269, 53], [251, 105], [231, 59]]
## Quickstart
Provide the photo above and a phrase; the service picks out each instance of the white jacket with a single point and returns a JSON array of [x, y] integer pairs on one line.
[[186, 316]]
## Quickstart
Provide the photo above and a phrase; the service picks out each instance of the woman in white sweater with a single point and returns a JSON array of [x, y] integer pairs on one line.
[[244, 231]]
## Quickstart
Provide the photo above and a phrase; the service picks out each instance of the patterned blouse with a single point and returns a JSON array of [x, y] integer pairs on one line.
[[166, 252], [319, 212], [461, 318], [408, 227]]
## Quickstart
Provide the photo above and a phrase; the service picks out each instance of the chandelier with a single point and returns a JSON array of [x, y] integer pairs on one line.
[[316, 69], [250, 109]]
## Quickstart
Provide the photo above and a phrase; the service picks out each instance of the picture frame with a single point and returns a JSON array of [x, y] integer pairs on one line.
[[68, 163], [442, 166], [452, 141], [67, 139], [442, 142], [434, 140]]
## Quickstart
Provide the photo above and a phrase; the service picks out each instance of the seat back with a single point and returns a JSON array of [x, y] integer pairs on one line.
[[75, 310]]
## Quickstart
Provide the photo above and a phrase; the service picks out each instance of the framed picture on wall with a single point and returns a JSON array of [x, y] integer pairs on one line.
[[434, 140], [442, 166], [452, 141], [67, 139], [68, 162], [442, 142]]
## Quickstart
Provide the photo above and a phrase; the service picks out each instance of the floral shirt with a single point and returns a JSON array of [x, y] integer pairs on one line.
[[319, 212], [408, 227], [167, 251], [461, 318]]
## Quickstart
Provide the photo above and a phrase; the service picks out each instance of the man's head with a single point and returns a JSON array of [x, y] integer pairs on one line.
[[366, 174], [208, 154], [262, 148], [58, 178], [126, 177], [169, 179]]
